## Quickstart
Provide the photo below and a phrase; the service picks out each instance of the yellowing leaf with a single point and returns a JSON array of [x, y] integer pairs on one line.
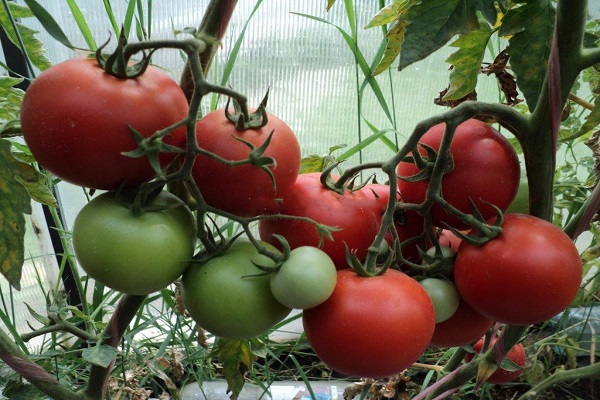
[[388, 14], [531, 26], [237, 357], [395, 38]]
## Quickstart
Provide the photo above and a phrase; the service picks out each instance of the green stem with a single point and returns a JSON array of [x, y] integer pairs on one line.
[[123, 315], [589, 371], [538, 144], [59, 326], [16, 359], [212, 29]]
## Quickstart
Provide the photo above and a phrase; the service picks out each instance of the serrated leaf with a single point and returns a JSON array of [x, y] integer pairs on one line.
[[14, 202], [10, 99], [431, 24], [528, 57], [237, 357], [33, 45], [466, 61], [101, 355], [395, 37], [388, 14]]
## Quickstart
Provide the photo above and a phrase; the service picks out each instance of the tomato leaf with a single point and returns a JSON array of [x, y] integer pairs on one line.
[[237, 357], [387, 14], [528, 58], [33, 46], [467, 61], [14, 202], [101, 355], [10, 101], [431, 24]]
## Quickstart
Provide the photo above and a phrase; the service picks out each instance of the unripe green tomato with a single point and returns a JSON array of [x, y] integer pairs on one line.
[[305, 280], [229, 296], [444, 296], [134, 254]]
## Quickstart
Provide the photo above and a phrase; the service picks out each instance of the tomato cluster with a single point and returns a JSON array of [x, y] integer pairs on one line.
[[367, 322]]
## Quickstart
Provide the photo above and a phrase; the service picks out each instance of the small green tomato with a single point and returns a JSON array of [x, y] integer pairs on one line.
[[305, 280], [444, 296]]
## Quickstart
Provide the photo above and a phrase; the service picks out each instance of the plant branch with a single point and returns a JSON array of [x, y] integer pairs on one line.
[[58, 326], [124, 313], [17, 360], [212, 29], [589, 371]]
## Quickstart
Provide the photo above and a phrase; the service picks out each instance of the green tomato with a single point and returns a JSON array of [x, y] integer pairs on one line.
[[305, 280], [134, 254], [444, 296], [229, 296]]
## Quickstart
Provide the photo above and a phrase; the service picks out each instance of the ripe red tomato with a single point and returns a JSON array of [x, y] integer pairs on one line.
[[409, 224], [464, 327], [516, 355], [76, 118], [526, 275], [486, 169], [371, 327], [309, 198], [244, 190]]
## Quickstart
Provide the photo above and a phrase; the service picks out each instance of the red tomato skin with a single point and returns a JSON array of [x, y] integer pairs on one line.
[[410, 227], [486, 169], [309, 198], [371, 327], [517, 355], [244, 190], [75, 120], [463, 328], [526, 275]]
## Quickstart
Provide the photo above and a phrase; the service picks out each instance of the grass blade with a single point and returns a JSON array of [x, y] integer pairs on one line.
[[82, 24]]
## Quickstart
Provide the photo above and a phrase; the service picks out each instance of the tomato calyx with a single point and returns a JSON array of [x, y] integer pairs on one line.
[[117, 64], [426, 164], [482, 231], [367, 270], [151, 147], [242, 119]]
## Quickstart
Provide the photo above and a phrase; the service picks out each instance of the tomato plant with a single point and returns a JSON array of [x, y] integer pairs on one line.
[[476, 146], [76, 120], [305, 280], [134, 254], [408, 223], [526, 275], [444, 296], [245, 190], [464, 327], [356, 224], [229, 296], [516, 356], [371, 327]]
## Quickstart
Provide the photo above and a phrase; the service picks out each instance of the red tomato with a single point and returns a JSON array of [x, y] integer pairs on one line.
[[371, 327], [309, 198], [409, 224], [526, 275], [464, 327], [516, 355], [76, 118], [486, 169], [244, 190]]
